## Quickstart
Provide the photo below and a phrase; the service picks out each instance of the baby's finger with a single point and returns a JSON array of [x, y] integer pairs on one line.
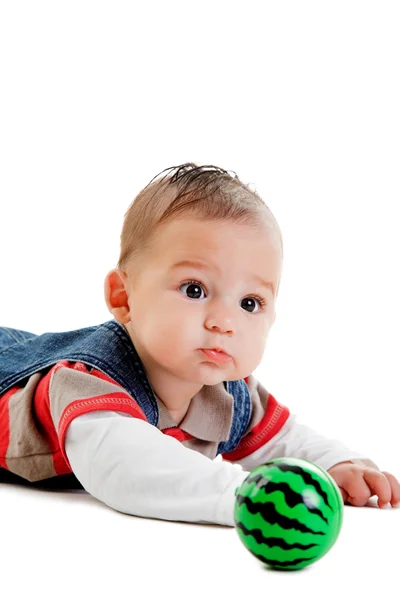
[[356, 489], [379, 484], [395, 485], [360, 495]]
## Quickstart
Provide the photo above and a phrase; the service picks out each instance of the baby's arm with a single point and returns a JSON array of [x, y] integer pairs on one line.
[[300, 441], [134, 468], [274, 433], [129, 464]]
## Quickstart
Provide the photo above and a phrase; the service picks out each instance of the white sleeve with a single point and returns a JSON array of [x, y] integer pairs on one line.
[[299, 441], [134, 468]]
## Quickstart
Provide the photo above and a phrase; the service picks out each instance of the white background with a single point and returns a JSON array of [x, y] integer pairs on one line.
[[301, 99]]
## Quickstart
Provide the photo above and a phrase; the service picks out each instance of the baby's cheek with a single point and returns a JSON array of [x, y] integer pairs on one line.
[[256, 346], [170, 334], [260, 334]]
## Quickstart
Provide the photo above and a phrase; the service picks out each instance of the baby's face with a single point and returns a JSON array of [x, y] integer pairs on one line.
[[172, 320]]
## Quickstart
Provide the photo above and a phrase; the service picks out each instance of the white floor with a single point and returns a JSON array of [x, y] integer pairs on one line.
[[66, 544]]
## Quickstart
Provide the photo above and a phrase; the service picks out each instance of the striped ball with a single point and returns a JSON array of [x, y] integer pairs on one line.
[[288, 513]]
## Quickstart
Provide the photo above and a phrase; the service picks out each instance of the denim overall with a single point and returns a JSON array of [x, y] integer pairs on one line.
[[108, 348]]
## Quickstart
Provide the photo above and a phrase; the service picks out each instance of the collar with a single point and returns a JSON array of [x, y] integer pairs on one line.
[[209, 416]]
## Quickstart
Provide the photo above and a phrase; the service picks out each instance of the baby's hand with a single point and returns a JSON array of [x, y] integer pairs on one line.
[[358, 482]]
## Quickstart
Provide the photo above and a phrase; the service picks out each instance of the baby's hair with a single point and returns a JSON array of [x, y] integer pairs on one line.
[[203, 192]]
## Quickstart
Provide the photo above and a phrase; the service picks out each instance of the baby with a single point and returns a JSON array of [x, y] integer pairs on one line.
[[138, 408]]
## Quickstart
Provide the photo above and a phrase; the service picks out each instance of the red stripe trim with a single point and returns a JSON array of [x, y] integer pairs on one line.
[[178, 434], [273, 420], [5, 424], [116, 401], [61, 466]]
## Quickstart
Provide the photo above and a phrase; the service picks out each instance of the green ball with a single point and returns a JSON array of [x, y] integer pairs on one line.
[[288, 513]]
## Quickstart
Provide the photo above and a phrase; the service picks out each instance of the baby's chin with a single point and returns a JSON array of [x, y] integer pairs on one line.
[[209, 373]]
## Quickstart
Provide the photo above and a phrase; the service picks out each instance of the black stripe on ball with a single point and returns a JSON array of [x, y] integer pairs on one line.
[[283, 563], [272, 541], [292, 498], [268, 512], [307, 478]]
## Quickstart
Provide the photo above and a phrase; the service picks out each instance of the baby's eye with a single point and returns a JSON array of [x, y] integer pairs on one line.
[[249, 300], [194, 288]]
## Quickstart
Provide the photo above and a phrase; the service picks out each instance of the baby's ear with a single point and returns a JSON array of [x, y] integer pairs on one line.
[[116, 296]]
